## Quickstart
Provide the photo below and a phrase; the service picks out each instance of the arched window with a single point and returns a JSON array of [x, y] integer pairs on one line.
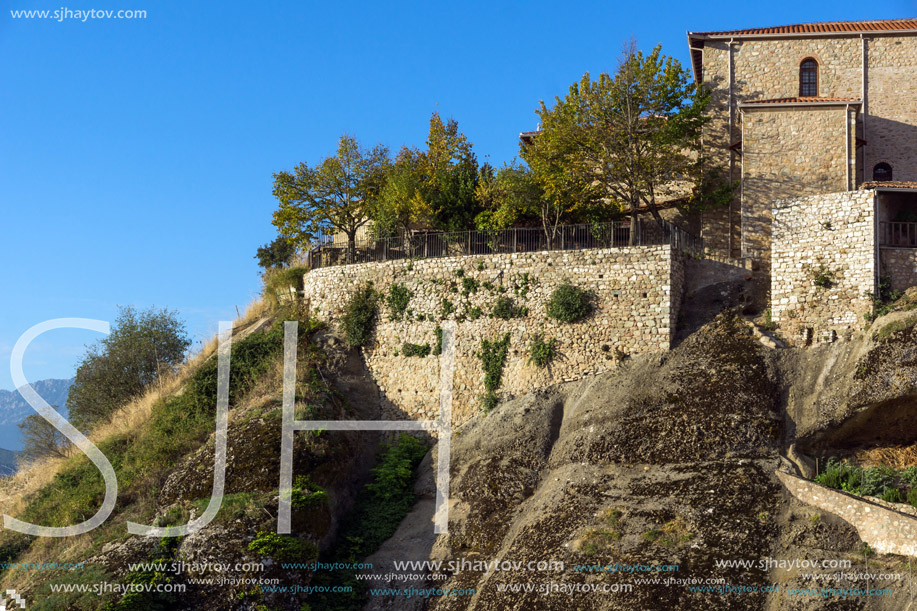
[[808, 78], [882, 171]]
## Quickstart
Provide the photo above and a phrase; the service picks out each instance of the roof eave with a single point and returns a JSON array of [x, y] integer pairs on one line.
[[851, 34], [753, 106]]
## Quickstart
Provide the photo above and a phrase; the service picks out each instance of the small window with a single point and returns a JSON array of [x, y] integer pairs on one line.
[[808, 78], [882, 171]]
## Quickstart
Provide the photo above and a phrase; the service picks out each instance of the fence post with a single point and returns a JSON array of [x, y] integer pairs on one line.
[[515, 239]]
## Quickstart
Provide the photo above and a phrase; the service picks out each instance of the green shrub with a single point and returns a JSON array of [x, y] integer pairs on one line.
[[305, 493], [823, 277], [446, 308], [912, 496], [474, 313], [909, 475], [876, 480], [841, 475], [397, 300], [469, 286], [493, 358], [506, 309], [541, 351], [439, 341], [892, 495], [359, 318], [898, 326], [409, 349], [283, 548], [568, 304]]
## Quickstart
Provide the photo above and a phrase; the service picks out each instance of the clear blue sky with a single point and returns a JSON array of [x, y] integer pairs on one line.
[[136, 155]]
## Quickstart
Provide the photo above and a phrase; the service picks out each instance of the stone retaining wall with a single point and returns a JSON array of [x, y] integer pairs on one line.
[[833, 234], [899, 265], [885, 530], [637, 293]]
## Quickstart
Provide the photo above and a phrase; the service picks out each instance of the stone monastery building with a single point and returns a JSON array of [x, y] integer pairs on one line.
[[818, 125]]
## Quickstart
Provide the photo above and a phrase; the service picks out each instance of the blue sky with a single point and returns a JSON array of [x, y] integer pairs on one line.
[[136, 155]]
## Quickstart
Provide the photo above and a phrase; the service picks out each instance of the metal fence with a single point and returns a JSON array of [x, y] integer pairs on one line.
[[424, 245], [898, 234]]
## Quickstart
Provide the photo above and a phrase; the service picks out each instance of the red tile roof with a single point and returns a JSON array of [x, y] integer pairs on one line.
[[826, 27], [809, 100]]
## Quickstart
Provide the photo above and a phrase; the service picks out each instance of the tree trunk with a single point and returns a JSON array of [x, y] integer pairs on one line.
[[633, 225], [351, 244]]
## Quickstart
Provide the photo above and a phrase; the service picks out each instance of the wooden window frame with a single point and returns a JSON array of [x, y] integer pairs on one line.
[[817, 77]]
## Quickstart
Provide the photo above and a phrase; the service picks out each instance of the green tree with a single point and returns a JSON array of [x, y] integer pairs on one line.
[[40, 439], [141, 347], [337, 195], [507, 196], [622, 141], [434, 188], [276, 254]]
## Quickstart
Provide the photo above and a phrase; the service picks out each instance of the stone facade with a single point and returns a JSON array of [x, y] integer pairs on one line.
[[870, 70], [886, 530], [830, 236], [789, 152], [899, 266], [637, 294]]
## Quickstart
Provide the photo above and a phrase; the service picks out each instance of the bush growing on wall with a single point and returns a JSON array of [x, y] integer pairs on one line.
[[398, 298], [505, 308], [360, 316], [409, 349], [568, 303], [493, 358], [541, 351]]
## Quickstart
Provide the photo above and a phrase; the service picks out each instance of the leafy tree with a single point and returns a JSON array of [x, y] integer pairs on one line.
[[141, 347], [276, 254], [434, 188], [337, 195], [40, 439], [507, 196], [622, 141]]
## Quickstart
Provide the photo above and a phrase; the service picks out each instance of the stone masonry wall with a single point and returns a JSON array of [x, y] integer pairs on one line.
[[767, 69], [788, 152], [637, 293], [899, 265], [885, 530], [832, 233]]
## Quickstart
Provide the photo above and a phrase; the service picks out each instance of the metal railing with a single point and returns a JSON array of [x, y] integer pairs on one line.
[[898, 234], [517, 239]]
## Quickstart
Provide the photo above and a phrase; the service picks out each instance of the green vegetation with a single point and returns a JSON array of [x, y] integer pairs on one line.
[[602, 537], [409, 349], [493, 358], [568, 304], [278, 281], [886, 332], [671, 534], [882, 482], [152, 600], [379, 509], [506, 309], [885, 301], [541, 351], [398, 298], [446, 308], [276, 254], [822, 276], [283, 548], [469, 286], [141, 347], [306, 493], [336, 195], [360, 315]]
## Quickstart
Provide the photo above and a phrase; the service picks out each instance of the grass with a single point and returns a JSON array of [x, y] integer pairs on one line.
[[671, 534], [879, 481], [602, 537], [898, 326], [283, 548], [279, 281]]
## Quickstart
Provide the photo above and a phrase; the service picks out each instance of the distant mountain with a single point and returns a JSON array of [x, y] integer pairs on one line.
[[14, 409]]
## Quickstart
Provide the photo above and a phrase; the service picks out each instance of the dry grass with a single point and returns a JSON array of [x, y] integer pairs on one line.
[[896, 457], [127, 420]]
